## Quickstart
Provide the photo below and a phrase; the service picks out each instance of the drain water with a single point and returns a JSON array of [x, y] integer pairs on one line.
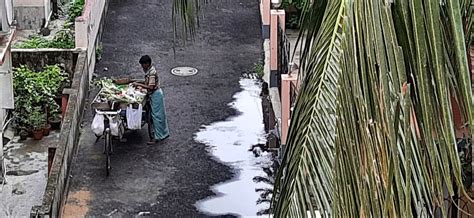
[[184, 71]]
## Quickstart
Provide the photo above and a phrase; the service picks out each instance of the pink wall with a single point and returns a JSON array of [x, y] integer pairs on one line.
[[274, 16], [286, 81]]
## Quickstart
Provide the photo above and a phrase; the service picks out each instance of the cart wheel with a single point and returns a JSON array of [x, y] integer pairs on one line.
[[108, 147]]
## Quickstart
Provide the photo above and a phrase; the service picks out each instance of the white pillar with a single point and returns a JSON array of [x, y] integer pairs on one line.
[[81, 33], [3, 7]]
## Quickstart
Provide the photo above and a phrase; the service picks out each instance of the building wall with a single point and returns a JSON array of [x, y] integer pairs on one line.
[[28, 3], [88, 29], [6, 88], [29, 17], [31, 14], [6, 81]]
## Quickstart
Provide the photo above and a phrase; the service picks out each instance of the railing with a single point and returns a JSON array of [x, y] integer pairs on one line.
[[294, 90], [283, 53]]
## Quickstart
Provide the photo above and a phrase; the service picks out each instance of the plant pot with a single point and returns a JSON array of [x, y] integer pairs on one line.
[[58, 99], [38, 134], [23, 134], [46, 130], [55, 122]]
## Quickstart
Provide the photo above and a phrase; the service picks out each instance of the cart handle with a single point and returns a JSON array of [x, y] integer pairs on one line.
[[108, 112]]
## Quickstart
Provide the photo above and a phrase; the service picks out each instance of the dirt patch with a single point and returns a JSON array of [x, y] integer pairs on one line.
[[77, 204]]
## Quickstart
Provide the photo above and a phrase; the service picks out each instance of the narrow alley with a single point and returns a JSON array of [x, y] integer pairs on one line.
[[169, 178]]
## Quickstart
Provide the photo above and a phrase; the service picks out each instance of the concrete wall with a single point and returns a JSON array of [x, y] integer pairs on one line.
[[88, 29], [29, 17], [6, 80], [274, 117], [57, 186], [27, 3], [32, 14], [38, 58], [6, 87], [88, 34]]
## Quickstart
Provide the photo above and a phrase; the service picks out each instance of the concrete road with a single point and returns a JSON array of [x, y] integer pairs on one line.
[[166, 179]]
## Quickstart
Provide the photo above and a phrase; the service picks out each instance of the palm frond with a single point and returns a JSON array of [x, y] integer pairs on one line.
[[185, 17], [305, 183], [394, 151]]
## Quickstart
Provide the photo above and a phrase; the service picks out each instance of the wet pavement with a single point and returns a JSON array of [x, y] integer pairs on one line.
[[169, 178], [238, 142], [27, 167]]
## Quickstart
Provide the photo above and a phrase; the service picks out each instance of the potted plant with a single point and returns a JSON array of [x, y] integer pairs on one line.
[[46, 129], [54, 118], [37, 120], [55, 121], [38, 89]]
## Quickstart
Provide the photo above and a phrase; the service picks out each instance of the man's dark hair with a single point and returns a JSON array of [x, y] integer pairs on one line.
[[145, 59]]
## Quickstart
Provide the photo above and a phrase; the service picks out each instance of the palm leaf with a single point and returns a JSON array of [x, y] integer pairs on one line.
[[185, 17], [395, 76], [305, 183]]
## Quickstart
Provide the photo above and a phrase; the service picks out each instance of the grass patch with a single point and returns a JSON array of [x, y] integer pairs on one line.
[[75, 10], [64, 39], [259, 70]]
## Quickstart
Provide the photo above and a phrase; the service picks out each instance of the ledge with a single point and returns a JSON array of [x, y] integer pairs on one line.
[[69, 91], [6, 42], [44, 49]]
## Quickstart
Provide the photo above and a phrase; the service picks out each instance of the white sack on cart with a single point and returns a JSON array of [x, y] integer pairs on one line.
[[134, 117], [114, 127], [98, 125]]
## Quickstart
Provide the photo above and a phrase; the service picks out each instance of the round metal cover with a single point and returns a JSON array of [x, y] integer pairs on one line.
[[184, 71]]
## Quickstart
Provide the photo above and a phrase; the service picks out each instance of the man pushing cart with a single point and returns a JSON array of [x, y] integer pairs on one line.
[[125, 104]]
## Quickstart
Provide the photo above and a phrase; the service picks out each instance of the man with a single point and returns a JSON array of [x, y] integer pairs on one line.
[[155, 94]]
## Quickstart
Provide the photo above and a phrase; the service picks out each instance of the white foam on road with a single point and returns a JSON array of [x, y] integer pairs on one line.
[[229, 141]]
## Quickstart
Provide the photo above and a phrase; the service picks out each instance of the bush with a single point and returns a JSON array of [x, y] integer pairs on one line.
[[75, 10], [293, 9], [37, 118], [64, 39], [259, 70]]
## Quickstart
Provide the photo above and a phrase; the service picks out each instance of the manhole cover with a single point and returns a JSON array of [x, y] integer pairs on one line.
[[184, 71]]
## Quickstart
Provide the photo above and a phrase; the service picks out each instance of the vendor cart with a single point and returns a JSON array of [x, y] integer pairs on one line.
[[113, 106]]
